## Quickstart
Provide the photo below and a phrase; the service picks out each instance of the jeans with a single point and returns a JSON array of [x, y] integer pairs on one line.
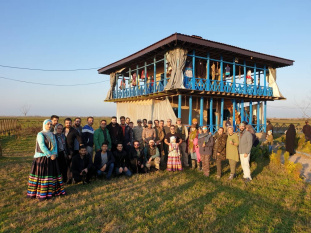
[[127, 173], [109, 173], [245, 166]]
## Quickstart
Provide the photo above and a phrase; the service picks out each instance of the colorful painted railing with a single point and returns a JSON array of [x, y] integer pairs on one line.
[[196, 84]]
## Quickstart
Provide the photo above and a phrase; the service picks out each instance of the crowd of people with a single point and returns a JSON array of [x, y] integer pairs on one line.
[[69, 153]]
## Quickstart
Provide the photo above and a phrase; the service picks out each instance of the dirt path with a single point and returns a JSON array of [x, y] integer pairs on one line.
[[304, 159]]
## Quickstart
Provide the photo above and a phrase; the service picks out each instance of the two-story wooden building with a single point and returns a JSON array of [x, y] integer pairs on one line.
[[190, 77]]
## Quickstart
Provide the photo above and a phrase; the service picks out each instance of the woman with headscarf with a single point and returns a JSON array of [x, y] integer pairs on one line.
[[232, 152], [193, 133], [61, 150], [45, 179], [205, 143], [290, 139]]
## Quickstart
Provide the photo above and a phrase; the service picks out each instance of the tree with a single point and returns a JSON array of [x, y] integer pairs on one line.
[[25, 109]]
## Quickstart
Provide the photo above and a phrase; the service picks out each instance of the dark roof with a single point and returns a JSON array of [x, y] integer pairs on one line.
[[201, 46]]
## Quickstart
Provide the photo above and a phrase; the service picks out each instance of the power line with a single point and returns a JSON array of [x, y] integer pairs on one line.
[[50, 84], [38, 69]]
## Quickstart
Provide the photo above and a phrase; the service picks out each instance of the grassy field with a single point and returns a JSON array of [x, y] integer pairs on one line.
[[157, 202]]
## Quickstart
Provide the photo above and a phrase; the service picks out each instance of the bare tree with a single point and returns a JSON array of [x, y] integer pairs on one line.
[[304, 107], [25, 109]]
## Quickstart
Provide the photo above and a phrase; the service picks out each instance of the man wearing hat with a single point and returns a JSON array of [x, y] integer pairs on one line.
[[148, 133], [138, 133], [183, 132], [152, 155], [307, 131]]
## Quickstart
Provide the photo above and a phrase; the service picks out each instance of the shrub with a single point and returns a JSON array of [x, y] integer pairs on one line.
[[293, 169], [275, 158]]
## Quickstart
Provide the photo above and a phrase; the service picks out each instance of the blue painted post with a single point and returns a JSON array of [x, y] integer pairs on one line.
[[208, 73], [265, 116], [154, 75], [242, 110], [265, 81], [233, 84], [130, 85], [179, 106], [130, 71], [145, 84], [258, 108], [190, 110], [201, 110], [233, 114], [221, 74], [222, 112], [255, 80], [245, 85], [193, 70], [165, 70], [117, 86], [211, 115], [250, 112]]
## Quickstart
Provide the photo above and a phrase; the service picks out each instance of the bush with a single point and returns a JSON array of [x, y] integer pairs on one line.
[[259, 152], [275, 158]]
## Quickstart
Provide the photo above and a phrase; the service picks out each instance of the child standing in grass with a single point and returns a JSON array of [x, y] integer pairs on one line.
[[173, 161]]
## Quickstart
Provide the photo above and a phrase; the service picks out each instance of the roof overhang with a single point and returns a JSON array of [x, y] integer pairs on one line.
[[202, 47]]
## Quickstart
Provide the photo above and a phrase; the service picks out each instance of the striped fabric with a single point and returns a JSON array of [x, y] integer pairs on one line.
[[45, 180], [173, 162]]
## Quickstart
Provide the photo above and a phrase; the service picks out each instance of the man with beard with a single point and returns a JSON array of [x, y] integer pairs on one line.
[[101, 135], [71, 135], [82, 166], [77, 126], [245, 146], [183, 132], [116, 133], [138, 133], [54, 120], [88, 135]]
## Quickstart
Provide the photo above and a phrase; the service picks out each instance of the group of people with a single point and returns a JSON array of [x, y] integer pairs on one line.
[[64, 153]]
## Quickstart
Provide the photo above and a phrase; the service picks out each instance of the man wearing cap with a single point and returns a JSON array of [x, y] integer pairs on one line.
[[152, 155], [245, 146], [183, 132], [148, 133], [307, 131], [138, 133]]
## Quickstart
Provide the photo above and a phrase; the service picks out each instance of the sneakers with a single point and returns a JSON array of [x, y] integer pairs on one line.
[[247, 180], [231, 177]]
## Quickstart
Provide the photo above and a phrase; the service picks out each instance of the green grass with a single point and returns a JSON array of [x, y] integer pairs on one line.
[[157, 202]]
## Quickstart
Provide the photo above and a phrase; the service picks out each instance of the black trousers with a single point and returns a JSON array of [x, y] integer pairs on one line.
[[62, 163]]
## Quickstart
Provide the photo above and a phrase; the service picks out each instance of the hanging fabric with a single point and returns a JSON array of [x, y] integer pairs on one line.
[[113, 84], [271, 78], [177, 60]]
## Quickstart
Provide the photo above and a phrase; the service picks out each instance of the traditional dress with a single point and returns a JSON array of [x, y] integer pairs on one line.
[[173, 161], [45, 179]]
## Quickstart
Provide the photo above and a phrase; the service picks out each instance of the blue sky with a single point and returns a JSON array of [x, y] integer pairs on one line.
[[87, 34]]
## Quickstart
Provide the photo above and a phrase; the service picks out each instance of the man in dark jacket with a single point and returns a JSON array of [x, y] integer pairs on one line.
[[128, 138], [71, 136], [82, 166], [116, 133], [122, 162], [104, 162], [137, 158]]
